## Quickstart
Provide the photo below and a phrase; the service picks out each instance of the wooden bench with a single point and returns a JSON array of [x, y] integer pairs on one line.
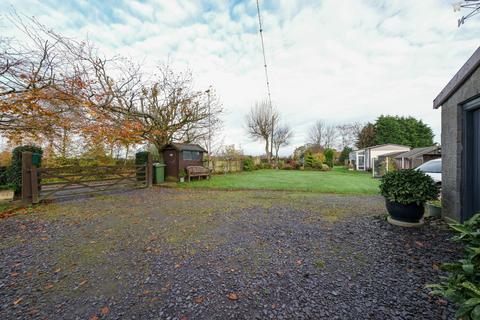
[[197, 171]]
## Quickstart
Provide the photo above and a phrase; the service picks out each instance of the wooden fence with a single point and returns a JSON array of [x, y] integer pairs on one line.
[[39, 184]]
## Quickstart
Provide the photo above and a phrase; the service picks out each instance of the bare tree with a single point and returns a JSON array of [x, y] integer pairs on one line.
[[316, 133], [330, 136], [281, 137], [322, 135], [348, 133], [259, 123]]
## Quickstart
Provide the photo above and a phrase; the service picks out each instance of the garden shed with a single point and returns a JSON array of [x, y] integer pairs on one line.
[[178, 156], [416, 157], [460, 104]]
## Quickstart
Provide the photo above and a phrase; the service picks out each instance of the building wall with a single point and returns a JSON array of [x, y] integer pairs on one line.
[[375, 153], [452, 130]]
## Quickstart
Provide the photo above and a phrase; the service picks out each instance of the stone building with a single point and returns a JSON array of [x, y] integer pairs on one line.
[[460, 105]]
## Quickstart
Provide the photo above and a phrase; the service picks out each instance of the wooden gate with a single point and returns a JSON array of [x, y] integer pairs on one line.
[[40, 184]]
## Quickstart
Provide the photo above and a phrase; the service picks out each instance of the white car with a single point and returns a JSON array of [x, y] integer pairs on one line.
[[434, 169]]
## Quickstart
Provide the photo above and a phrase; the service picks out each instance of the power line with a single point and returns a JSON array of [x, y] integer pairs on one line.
[[266, 77], [264, 56]]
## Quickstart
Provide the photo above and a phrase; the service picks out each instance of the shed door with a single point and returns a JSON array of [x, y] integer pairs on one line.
[[476, 162], [472, 160], [171, 162]]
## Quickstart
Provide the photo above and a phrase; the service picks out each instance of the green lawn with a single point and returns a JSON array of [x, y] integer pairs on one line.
[[339, 180]]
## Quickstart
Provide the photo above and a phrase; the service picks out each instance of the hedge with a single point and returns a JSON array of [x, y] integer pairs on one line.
[[14, 172]]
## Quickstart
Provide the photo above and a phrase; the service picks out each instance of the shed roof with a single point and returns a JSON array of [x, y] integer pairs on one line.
[[184, 147], [459, 79], [391, 154], [382, 145], [417, 152]]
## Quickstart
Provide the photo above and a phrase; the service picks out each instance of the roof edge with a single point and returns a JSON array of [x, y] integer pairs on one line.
[[458, 79]]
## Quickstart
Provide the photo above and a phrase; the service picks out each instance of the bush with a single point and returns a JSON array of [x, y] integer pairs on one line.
[[462, 284], [408, 186], [141, 157], [317, 165], [325, 167], [329, 157], [266, 166], [248, 164], [14, 172], [344, 155], [287, 166], [309, 160], [3, 176]]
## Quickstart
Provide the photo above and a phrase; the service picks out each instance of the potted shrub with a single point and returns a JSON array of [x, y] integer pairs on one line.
[[406, 192], [433, 208], [182, 174]]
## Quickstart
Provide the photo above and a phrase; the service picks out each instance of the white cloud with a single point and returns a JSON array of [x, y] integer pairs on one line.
[[335, 60]]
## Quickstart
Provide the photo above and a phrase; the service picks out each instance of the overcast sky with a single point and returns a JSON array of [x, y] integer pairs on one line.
[[340, 61]]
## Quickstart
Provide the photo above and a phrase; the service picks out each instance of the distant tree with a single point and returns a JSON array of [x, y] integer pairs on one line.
[[366, 136], [344, 154], [348, 133], [322, 134], [403, 130], [329, 157], [259, 123], [316, 133], [281, 137], [330, 136]]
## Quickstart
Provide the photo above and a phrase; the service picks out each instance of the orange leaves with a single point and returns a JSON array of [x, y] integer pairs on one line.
[[199, 299], [232, 296], [17, 301], [104, 310]]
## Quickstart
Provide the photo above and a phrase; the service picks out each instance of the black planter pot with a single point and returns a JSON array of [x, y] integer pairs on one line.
[[411, 213]]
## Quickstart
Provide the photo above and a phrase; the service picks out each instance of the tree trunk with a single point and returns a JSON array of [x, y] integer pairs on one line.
[[127, 147], [267, 150]]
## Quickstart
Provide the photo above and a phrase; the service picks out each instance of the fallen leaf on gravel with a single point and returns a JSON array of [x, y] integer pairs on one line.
[[184, 318], [44, 238], [14, 274], [442, 302], [49, 286], [93, 318], [280, 273], [57, 270], [198, 299], [177, 265], [299, 262], [419, 244], [232, 296], [17, 301], [82, 283], [17, 264], [104, 310]]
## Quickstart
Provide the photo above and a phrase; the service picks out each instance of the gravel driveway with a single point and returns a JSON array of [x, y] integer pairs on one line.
[[181, 254]]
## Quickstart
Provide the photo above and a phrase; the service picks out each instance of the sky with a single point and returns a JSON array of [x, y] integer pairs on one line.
[[339, 61]]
